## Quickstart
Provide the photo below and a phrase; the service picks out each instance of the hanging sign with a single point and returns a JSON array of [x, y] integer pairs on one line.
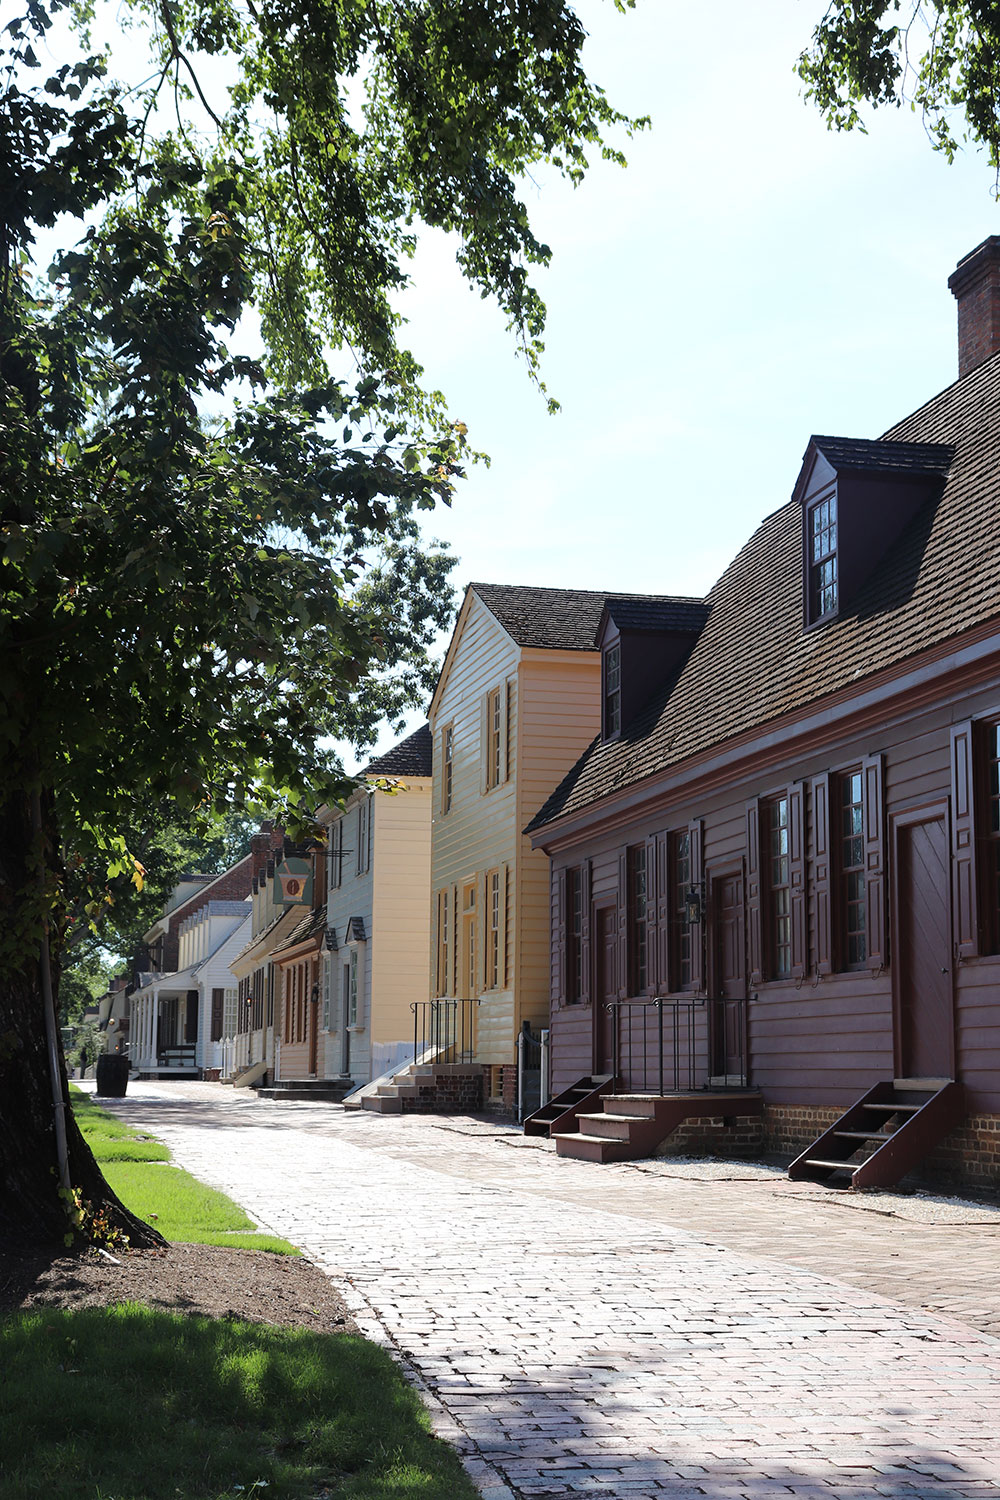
[[293, 881]]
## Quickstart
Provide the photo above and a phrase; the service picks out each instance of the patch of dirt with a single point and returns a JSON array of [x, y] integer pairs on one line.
[[208, 1279]]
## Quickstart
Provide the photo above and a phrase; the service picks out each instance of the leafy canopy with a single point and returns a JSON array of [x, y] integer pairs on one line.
[[211, 561], [940, 56]]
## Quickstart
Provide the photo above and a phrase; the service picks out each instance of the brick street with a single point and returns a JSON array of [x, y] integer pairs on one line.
[[615, 1331]]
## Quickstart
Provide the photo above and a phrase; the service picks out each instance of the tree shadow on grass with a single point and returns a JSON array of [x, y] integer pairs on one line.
[[130, 1402]]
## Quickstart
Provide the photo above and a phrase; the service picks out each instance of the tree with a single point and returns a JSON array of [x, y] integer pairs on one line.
[[209, 562], [944, 59]]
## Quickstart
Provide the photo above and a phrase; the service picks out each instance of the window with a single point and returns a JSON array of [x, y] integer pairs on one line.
[[494, 738], [444, 941], [469, 958], [851, 872], [345, 995], [680, 884], [612, 691], [230, 1012], [574, 936], [821, 543], [778, 888], [447, 765], [363, 826], [327, 993], [353, 985], [637, 955], [336, 853], [493, 931]]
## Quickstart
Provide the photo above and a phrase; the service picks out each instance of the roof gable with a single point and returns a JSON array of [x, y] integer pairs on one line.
[[753, 663]]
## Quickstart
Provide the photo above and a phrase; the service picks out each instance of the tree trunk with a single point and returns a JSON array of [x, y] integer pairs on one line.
[[32, 1211]]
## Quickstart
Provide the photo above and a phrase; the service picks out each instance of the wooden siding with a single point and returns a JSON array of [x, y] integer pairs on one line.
[[560, 696], [552, 705], [400, 950], [353, 897], [821, 1040]]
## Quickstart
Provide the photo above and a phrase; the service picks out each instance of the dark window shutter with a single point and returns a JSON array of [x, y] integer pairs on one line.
[[821, 872], [664, 913], [505, 937], [652, 917], [217, 999], [965, 913], [560, 927], [584, 995], [754, 925], [695, 843], [191, 1017], [797, 882], [623, 966], [871, 771]]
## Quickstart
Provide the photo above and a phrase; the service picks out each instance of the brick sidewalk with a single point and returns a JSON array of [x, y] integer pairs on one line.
[[600, 1331]]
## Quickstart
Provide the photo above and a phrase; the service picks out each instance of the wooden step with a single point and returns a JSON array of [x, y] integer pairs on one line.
[[861, 1135], [920, 1126], [837, 1166], [592, 1147], [893, 1109]]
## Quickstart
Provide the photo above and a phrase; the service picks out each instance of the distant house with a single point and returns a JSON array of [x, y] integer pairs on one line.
[[517, 700], [178, 997], [377, 940], [776, 869], [257, 970]]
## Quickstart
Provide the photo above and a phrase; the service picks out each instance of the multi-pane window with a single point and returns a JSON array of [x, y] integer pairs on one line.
[[447, 765], [363, 819], [327, 993], [444, 941], [493, 930], [469, 940], [574, 936], [822, 544], [494, 738], [851, 872], [230, 1012], [336, 853], [779, 888], [637, 958], [612, 691], [680, 884], [352, 997]]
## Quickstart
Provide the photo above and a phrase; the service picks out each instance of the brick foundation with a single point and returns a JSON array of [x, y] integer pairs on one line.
[[967, 1157], [457, 1092], [504, 1104], [739, 1137]]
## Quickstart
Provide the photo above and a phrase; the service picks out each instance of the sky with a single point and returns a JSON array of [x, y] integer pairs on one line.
[[749, 280]]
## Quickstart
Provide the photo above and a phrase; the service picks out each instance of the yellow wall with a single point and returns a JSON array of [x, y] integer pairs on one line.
[[400, 947], [554, 713]]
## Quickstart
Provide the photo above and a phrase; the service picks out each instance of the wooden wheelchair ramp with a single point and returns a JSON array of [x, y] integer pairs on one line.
[[884, 1135]]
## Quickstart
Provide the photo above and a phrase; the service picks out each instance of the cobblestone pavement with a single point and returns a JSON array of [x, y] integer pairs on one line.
[[614, 1333]]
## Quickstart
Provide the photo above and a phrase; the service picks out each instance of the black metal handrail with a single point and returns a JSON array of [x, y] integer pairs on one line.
[[444, 1031], [671, 1026]]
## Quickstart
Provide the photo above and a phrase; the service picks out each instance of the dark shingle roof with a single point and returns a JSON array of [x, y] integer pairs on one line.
[[313, 922], [559, 619], [411, 757], [876, 456], [635, 613], [753, 662]]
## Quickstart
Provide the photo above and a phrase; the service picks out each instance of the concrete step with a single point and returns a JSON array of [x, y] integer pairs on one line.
[[379, 1105]]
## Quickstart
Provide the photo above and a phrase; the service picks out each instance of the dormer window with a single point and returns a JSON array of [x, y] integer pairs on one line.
[[612, 691], [821, 520]]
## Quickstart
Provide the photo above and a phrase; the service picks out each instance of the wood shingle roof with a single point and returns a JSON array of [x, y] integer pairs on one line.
[[559, 619], [753, 661], [411, 757]]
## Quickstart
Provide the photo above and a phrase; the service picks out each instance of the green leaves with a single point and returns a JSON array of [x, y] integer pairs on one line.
[[945, 60]]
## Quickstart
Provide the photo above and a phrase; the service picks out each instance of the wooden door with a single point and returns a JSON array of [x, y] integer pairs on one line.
[[924, 993], [605, 927], [729, 976]]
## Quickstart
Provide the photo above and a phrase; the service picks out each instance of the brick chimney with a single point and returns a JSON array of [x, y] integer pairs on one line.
[[975, 282]]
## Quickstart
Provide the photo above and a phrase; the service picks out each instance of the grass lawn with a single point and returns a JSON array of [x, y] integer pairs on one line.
[[170, 1199], [125, 1403]]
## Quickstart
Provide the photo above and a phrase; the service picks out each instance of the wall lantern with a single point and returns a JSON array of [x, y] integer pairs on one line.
[[694, 905]]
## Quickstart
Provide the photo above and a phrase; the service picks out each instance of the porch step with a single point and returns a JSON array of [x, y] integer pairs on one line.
[[561, 1111], [885, 1134], [322, 1090], [629, 1126]]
